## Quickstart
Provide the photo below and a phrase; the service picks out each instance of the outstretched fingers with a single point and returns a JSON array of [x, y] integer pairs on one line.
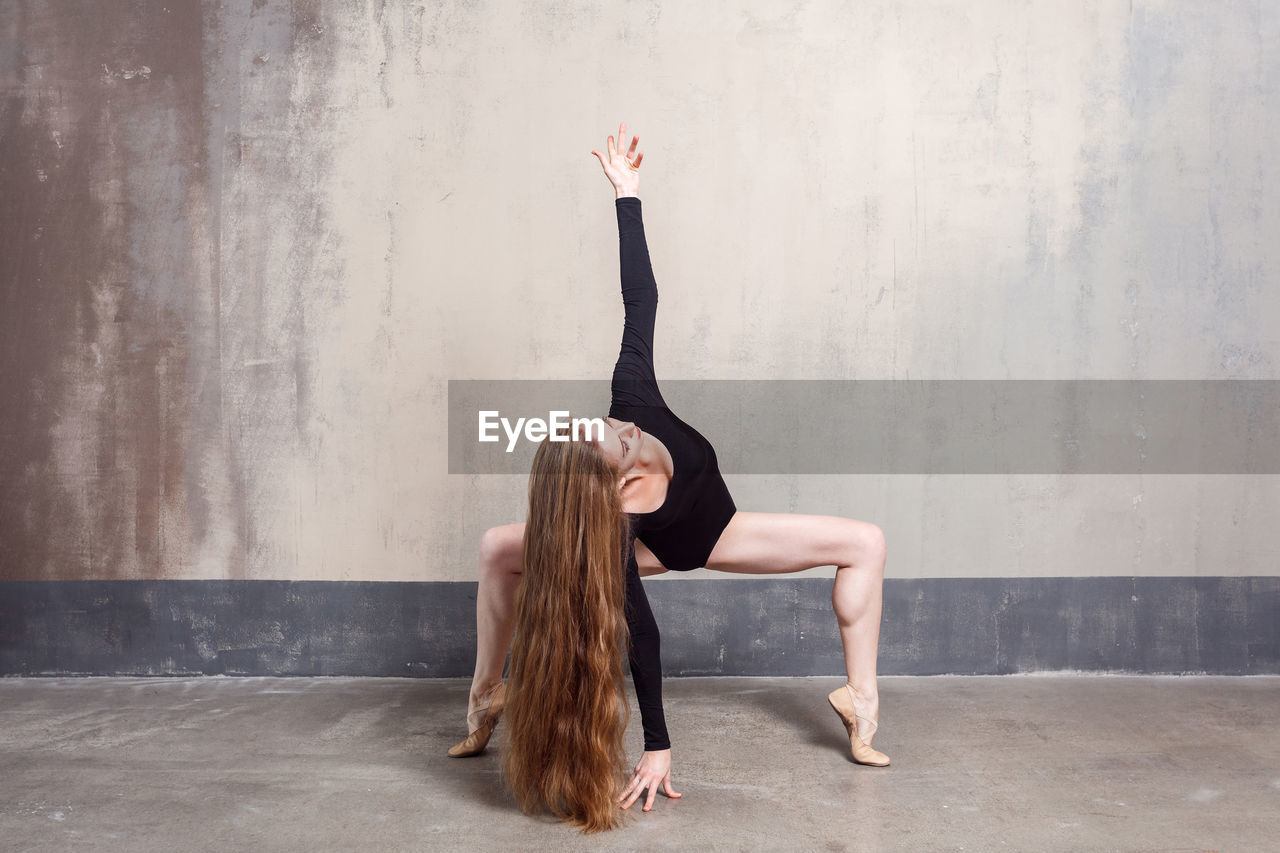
[[633, 790], [621, 164], [616, 152], [640, 783]]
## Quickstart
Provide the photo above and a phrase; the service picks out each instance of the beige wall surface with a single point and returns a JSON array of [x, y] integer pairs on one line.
[[247, 244]]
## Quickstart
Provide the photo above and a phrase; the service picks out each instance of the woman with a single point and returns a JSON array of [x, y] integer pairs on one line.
[[682, 517]]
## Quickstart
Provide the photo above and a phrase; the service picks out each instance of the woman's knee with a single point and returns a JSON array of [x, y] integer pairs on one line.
[[500, 549], [868, 543], [875, 538]]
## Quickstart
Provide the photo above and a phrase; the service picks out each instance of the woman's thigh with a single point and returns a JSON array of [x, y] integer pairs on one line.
[[779, 542], [504, 547]]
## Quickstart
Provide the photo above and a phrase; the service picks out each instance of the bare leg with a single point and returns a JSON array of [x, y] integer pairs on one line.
[[857, 597], [776, 543], [500, 569]]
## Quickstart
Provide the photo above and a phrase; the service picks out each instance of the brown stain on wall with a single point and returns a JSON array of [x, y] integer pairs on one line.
[[103, 135], [166, 255]]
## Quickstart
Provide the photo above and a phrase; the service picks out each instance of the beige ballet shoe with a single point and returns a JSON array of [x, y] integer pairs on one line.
[[841, 700], [486, 719]]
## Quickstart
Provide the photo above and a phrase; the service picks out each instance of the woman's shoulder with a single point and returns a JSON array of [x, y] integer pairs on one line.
[[621, 410]]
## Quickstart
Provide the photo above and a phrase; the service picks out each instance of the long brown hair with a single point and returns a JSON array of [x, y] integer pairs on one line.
[[566, 708]]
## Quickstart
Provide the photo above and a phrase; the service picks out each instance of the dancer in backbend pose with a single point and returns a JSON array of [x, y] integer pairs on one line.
[[647, 499]]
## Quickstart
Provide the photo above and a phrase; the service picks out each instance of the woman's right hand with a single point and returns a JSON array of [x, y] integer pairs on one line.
[[653, 769], [622, 169]]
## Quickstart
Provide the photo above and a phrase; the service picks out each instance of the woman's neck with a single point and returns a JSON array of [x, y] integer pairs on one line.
[[646, 483]]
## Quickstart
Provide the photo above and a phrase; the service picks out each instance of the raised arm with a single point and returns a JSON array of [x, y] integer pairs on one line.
[[634, 380]]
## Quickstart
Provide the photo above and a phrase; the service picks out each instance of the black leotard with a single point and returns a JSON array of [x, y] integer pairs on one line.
[[683, 531]]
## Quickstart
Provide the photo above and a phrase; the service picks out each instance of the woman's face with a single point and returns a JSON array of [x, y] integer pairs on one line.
[[621, 443]]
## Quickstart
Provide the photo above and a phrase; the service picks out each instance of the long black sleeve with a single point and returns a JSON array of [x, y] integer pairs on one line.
[[645, 659], [634, 382]]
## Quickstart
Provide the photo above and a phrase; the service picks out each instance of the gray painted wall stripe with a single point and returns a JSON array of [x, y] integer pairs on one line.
[[757, 626]]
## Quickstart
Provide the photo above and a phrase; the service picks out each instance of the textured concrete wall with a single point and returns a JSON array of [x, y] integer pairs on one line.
[[246, 244], [759, 626]]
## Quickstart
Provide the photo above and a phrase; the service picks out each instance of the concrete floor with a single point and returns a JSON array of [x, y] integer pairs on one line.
[[1041, 762]]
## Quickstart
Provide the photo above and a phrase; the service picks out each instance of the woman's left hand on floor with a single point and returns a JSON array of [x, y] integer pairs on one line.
[[654, 769]]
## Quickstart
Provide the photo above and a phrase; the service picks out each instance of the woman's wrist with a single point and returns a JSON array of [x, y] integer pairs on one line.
[[621, 193]]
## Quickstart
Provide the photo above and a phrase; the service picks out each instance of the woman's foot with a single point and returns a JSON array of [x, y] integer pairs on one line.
[[867, 705], [485, 710], [859, 713], [477, 702]]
